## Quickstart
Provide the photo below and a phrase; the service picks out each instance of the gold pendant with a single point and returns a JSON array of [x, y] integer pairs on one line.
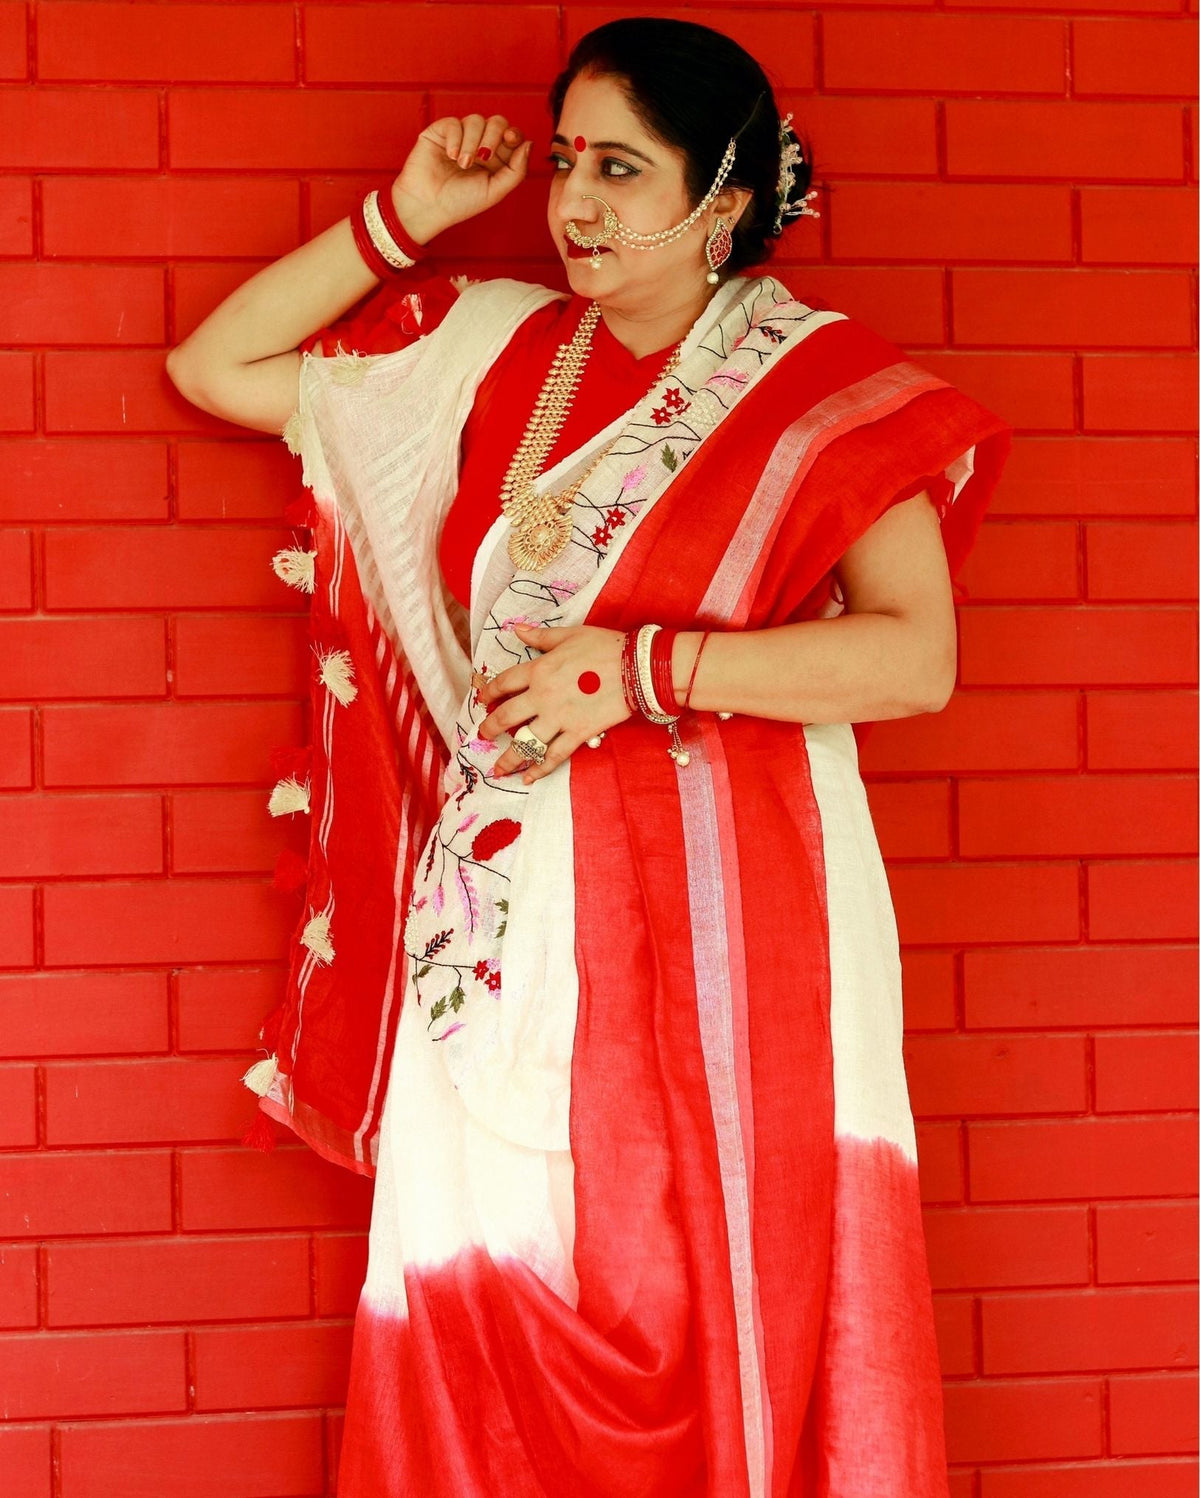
[[542, 535]]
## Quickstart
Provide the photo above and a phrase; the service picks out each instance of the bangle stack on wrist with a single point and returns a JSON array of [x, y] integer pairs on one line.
[[382, 240], [647, 684]]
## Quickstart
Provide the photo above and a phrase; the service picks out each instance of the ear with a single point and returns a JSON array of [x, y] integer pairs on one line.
[[731, 203]]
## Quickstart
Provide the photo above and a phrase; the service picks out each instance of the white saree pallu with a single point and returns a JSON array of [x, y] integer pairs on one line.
[[622, 1048]]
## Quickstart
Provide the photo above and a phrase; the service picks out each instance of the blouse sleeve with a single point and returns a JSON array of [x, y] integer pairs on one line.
[[395, 314]]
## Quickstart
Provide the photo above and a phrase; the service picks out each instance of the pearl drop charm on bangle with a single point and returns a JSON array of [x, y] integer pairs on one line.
[[595, 741]]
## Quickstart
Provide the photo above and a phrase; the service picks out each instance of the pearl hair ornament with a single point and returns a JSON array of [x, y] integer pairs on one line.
[[791, 155]]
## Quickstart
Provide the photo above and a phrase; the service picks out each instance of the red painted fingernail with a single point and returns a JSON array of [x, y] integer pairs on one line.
[[484, 152]]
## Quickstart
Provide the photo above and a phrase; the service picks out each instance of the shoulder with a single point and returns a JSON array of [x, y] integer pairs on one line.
[[400, 311]]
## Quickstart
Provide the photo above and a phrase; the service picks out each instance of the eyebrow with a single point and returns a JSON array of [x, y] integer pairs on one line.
[[607, 145]]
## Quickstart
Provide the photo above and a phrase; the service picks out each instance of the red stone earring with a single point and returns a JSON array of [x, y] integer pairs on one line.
[[717, 249]]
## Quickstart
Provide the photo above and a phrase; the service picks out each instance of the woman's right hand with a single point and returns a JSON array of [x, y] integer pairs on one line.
[[456, 169]]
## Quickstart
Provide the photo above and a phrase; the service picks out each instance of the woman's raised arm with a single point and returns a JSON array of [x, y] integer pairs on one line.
[[242, 362]]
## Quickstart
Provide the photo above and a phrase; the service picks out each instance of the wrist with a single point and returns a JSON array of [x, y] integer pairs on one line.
[[687, 642], [419, 224]]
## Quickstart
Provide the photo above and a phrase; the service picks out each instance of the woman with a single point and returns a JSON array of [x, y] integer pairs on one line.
[[646, 1216]]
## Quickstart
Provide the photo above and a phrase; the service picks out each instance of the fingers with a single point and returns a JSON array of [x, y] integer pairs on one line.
[[506, 716], [559, 749], [494, 689], [446, 134], [473, 126], [511, 141], [495, 129]]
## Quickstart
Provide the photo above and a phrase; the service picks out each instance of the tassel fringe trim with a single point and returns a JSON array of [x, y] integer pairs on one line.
[[337, 674], [296, 568], [315, 937], [260, 1076], [289, 796], [260, 1135], [291, 871], [293, 433]]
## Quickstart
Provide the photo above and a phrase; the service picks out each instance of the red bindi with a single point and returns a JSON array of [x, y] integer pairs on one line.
[[579, 143], [588, 682]]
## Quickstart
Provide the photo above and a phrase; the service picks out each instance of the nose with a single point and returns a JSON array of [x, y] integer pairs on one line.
[[573, 203]]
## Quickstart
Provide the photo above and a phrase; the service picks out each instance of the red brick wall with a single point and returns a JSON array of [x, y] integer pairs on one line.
[[1008, 198]]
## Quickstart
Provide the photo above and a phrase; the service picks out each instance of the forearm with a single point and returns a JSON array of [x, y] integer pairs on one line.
[[277, 308], [858, 667]]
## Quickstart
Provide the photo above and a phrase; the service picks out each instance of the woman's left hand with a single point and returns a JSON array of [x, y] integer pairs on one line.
[[566, 695]]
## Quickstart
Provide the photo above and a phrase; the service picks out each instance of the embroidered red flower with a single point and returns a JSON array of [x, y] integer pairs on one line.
[[601, 536], [674, 401], [493, 980], [482, 969], [613, 518], [662, 417], [491, 839]]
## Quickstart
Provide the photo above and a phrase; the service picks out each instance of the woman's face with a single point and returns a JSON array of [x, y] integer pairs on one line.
[[600, 147]]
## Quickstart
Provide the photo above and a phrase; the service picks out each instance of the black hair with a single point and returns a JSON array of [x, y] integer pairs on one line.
[[693, 88]]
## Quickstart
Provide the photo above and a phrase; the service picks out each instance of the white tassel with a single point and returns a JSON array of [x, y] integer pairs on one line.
[[296, 568], [315, 937], [260, 1076], [349, 368], [337, 674], [293, 433], [288, 797]]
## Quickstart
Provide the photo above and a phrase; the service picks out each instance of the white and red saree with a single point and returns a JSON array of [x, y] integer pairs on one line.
[[622, 1049]]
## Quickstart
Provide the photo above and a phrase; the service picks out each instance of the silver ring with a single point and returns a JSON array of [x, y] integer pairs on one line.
[[530, 743]]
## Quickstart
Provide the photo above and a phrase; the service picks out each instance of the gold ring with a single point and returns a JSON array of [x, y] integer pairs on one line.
[[530, 743]]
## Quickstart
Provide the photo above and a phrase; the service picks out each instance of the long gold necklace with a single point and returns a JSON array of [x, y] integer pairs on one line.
[[540, 523]]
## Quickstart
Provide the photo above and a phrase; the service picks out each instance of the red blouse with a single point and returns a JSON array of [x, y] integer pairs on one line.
[[398, 312], [613, 381]]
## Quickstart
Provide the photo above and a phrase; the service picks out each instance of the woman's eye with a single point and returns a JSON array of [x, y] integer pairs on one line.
[[614, 170]]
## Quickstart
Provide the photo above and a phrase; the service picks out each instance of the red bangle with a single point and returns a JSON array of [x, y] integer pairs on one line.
[[376, 264], [391, 222], [661, 648]]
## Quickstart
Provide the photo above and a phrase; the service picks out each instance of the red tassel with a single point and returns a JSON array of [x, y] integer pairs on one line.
[[291, 871], [302, 512], [271, 1026], [291, 759], [261, 1134], [329, 633]]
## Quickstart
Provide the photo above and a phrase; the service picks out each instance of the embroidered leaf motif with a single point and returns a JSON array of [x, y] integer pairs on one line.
[[469, 895], [670, 461], [501, 928], [421, 971], [437, 1011], [456, 999], [436, 943]]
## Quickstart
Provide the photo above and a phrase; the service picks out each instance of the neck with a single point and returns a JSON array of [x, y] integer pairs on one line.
[[645, 330]]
